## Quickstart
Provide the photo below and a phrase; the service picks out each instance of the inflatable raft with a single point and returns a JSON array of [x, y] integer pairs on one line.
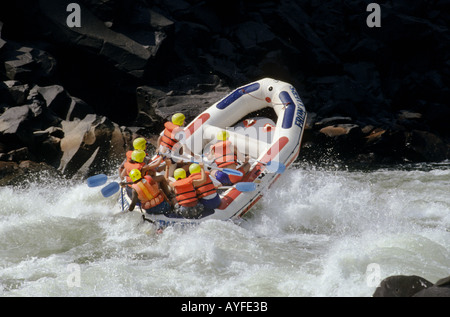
[[265, 120]]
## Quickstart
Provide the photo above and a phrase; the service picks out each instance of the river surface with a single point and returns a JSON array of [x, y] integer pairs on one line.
[[320, 232]]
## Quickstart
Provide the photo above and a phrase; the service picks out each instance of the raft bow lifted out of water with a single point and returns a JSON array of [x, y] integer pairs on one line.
[[267, 143]]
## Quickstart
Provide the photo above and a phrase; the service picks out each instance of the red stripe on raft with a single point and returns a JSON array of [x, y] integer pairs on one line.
[[194, 125], [255, 172]]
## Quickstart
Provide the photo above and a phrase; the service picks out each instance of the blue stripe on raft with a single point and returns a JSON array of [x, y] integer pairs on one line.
[[235, 95], [289, 111]]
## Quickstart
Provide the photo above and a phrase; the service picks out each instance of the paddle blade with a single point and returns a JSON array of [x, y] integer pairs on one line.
[[97, 180], [245, 186], [231, 171], [110, 189], [275, 167]]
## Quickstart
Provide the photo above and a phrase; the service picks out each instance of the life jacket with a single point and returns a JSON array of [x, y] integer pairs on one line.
[[168, 138], [130, 165], [148, 193], [185, 192], [224, 153], [207, 188]]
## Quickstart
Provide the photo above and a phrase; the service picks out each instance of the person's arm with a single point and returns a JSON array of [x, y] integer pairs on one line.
[[239, 155], [134, 200], [211, 153], [202, 179], [168, 164], [152, 166]]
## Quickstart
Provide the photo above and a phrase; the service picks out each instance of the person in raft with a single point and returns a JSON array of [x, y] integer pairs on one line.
[[207, 191], [146, 191], [137, 162], [168, 140], [138, 144], [225, 155], [187, 203]]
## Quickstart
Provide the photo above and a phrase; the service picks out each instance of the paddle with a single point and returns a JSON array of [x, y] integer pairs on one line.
[[110, 189], [228, 171], [242, 186], [97, 180]]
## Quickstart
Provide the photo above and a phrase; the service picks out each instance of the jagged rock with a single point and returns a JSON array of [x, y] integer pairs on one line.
[[27, 64], [90, 145], [2, 42], [13, 92], [123, 52], [17, 125], [147, 98], [340, 129], [60, 102], [427, 147], [19, 155], [189, 105]]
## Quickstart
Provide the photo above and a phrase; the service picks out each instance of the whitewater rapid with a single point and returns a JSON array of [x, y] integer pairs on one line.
[[320, 232]]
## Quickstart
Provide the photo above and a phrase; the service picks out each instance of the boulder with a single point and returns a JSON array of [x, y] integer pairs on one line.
[[18, 124], [13, 92], [424, 146], [93, 144], [401, 286], [120, 50], [61, 103], [412, 286], [27, 64]]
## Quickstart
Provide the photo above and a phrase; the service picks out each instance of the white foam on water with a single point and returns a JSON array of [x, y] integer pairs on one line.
[[317, 233]]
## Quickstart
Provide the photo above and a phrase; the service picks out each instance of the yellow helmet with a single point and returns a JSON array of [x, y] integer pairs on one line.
[[179, 173], [138, 156], [178, 119], [222, 135], [135, 175], [194, 168], [140, 144]]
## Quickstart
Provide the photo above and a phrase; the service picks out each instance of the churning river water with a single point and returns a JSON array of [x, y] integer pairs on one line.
[[320, 232]]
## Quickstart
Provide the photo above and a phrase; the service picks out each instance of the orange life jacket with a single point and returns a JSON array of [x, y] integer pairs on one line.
[[207, 188], [148, 192], [224, 153], [130, 165], [168, 138], [185, 192]]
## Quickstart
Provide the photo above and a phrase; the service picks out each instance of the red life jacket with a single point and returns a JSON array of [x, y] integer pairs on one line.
[[224, 153], [185, 192], [207, 188], [168, 138], [131, 165], [148, 192]]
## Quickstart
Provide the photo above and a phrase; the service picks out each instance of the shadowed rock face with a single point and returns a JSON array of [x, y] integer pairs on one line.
[[412, 286], [373, 95]]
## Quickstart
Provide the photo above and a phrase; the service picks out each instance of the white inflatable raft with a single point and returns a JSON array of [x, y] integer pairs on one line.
[[273, 138]]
